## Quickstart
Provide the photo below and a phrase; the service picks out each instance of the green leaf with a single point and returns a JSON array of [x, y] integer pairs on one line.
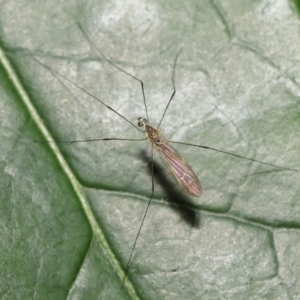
[[70, 212]]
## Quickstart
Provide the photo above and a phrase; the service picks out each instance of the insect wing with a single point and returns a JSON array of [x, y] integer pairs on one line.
[[177, 166]]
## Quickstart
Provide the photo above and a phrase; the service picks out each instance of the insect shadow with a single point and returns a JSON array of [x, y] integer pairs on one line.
[[177, 199]]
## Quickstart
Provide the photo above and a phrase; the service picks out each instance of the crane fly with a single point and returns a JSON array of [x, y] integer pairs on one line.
[[175, 163]]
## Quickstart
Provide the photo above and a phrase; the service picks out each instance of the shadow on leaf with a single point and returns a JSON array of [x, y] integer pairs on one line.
[[177, 199]]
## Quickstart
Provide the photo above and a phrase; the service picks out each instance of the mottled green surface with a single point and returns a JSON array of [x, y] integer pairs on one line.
[[70, 212]]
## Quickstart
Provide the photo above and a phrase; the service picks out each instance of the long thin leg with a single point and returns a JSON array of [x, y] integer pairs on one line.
[[143, 220], [57, 75], [236, 155], [91, 140], [174, 89], [117, 67]]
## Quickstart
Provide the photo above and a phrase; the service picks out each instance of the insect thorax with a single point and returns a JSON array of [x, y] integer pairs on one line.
[[152, 134]]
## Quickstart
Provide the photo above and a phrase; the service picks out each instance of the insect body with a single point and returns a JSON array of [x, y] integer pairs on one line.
[[177, 166]]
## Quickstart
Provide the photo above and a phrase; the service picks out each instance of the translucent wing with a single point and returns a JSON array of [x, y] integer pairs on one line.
[[177, 166]]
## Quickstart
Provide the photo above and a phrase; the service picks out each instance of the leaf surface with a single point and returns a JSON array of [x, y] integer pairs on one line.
[[70, 212]]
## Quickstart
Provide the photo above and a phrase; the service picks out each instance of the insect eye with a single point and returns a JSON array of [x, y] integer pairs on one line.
[[142, 121]]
